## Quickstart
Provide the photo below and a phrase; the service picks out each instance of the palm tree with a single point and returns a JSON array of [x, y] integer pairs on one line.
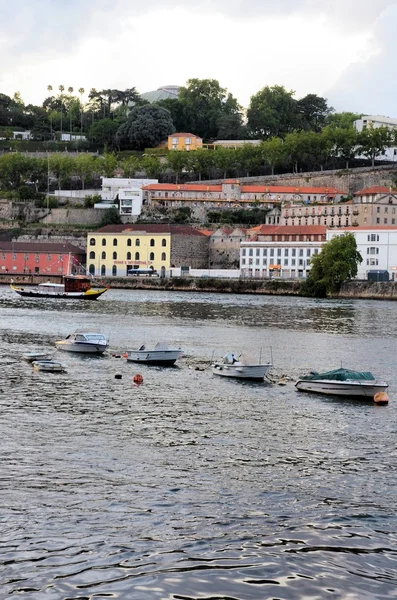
[[61, 89], [70, 90], [49, 90], [81, 92]]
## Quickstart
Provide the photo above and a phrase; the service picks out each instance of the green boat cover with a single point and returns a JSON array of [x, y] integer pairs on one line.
[[340, 375]]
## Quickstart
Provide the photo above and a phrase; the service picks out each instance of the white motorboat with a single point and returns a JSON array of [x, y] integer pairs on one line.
[[342, 382], [232, 366], [84, 342], [32, 356], [160, 355], [51, 366]]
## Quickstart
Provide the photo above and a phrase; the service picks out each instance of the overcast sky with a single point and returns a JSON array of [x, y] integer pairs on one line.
[[340, 49]]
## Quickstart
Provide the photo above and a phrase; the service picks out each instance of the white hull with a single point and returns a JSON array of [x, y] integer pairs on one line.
[[154, 357], [49, 366], [33, 356], [241, 371], [81, 347], [358, 389]]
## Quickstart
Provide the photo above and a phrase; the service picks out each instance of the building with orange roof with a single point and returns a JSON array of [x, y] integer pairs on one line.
[[184, 142], [232, 194], [376, 205]]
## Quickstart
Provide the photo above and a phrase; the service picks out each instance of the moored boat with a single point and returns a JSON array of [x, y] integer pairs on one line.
[[51, 366], [84, 342], [159, 355], [72, 286], [32, 356], [342, 382], [231, 366]]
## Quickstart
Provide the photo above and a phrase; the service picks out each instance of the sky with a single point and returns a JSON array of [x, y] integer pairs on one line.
[[340, 49]]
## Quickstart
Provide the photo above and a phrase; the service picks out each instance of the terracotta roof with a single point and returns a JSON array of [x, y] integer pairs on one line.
[[184, 135], [40, 247], [150, 228], [206, 231], [375, 189], [263, 229]]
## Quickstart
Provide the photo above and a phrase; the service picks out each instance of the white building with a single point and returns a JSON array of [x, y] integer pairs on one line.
[[287, 260], [130, 201], [112, 185], [374, 121], [377, 246]]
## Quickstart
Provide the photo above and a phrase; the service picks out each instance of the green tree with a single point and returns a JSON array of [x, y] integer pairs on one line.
[[273, 152], [152, 166], [14, 170], [342, 120], [107, 164], [248, 158], [225, 160], [200, 161], [85, 165], [204, 102], [103, 132], [111, 216], [177, 161], [313, 112], [61, 166], [272, 112], [337, 263], [344, 142], [146, 127], [374, 141], [130, 166]]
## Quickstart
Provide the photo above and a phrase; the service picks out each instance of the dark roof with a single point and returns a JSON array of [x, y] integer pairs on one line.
[[40, 247], [151, 228]]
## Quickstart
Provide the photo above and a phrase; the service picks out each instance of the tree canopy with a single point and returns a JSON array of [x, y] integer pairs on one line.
[[146, 127], [337, 263]]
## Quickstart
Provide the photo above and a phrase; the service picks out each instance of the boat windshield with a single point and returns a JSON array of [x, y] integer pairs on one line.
[[341, 375]]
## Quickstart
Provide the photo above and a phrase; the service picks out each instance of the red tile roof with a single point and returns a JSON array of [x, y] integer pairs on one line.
[[150, 228], [184, 135], [206, 231], [40, 247], [375, 189]]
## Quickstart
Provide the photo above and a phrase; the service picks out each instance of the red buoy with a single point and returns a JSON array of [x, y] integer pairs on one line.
[[138, 379]]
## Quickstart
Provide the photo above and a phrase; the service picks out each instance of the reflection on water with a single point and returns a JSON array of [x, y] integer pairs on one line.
[[192, 486]]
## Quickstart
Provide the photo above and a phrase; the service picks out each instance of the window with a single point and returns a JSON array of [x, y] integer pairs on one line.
[[377, 221], [103, 255], [115, 242], [92, 242], [293, 262], [103, 270], [103, 242], [48, 256], [152, 242], [393, 221], [300, 262], [373, 238], [278, 252], [114, 270], [92, 254], [129, 243], [164, 242], [251, 252], [151, 256], [163, 256], [308, 252], [286, 252], [385, 221], [188, 141], [243, 261], [264, 262], [378, 209], [264, 251], [137, 255], [128, 255], [285, 262], [293, 252], [257, 252], [257, 261], [91, 269], [271, 252], [137, 242], [301, 252], [114, 255], [243, 252], [386, 209]]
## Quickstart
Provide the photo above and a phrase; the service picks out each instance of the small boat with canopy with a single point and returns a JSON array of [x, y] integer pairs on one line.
[[72, 286], [342, 382]]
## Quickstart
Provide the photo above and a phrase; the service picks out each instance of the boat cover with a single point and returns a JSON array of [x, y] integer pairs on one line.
[[340, 375]]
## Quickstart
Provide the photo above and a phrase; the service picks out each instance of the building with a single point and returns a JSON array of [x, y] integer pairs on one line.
[[377, 246], [232, 194], [375, 206], [285, 252], [374, 121], [128, 192], [225, 247], [184, 142], [329, 215], [114, 249], [165, 92], [43, 257]]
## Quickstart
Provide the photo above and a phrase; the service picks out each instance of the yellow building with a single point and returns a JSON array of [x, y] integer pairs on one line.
[[115, 249], [184, 141]]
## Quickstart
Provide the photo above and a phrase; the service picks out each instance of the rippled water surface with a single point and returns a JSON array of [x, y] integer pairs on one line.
[[192, 486]]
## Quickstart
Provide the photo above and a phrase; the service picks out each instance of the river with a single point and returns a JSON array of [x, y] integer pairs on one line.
[[191, 486]]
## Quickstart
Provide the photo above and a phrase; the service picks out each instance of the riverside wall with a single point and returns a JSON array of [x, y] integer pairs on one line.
[[366, 290]]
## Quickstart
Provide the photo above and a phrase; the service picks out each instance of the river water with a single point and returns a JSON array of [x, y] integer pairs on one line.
[[192, 486]]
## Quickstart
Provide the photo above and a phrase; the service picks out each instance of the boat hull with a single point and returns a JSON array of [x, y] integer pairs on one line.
[[164, 358], [35, 356], [81, 348], [48, 366], [91, 294], [257, 372], [359, 389]]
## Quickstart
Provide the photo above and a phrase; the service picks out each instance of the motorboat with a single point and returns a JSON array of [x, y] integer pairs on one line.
[[32, 356], [50, 366], [233, 366], [342, 382], [159, 355], [72, 286], [84, 342]]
